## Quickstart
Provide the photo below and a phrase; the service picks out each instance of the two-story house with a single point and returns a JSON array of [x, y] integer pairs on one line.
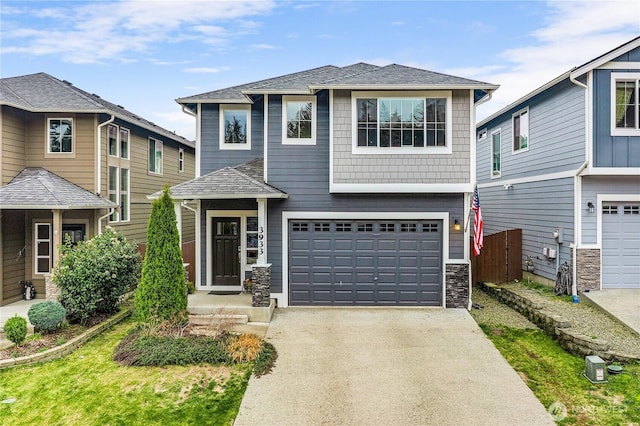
[[563, 164], [347, 185], [72, 163]]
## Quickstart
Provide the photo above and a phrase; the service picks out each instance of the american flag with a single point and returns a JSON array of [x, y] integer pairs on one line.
[[478, 224]]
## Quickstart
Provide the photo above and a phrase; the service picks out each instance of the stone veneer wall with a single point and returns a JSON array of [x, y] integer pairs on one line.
[[588, 269], [52, 291], [457, 286], [261, 286]]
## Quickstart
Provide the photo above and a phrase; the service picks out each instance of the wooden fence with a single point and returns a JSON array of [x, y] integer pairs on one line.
[[500, 259]]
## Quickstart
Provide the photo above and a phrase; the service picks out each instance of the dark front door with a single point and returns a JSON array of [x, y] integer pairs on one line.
[[226, 243]]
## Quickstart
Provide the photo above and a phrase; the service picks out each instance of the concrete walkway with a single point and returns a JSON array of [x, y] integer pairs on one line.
[[350, 366], [623, 303]]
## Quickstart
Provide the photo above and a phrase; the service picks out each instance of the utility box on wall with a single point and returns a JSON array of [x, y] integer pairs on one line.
[[595, 369]]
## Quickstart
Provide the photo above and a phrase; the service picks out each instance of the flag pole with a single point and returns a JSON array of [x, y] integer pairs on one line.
[[466, 225]]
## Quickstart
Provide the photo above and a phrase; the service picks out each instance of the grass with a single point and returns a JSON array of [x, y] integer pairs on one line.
[[89, 388], [555, 376]]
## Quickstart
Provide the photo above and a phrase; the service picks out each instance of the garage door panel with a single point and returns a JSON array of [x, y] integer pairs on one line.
[[366, 263], [620, 245]]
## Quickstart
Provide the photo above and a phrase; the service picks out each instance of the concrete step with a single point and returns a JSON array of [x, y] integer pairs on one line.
[[215, 319]]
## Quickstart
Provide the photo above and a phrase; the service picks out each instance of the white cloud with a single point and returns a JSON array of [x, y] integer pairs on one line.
[[262, 46], [205, 70], [178, 122]]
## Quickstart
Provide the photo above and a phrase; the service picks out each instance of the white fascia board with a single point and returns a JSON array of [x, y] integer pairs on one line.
[[529, 179], [598, 62], [400, 188], [215, 101], [403, 87], [221, 196], [276, 92], [613, 171]]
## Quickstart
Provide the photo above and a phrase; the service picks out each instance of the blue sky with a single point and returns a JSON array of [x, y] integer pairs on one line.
[[143, 54]]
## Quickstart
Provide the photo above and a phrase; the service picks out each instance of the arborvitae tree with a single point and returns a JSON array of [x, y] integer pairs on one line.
[[161, 293]]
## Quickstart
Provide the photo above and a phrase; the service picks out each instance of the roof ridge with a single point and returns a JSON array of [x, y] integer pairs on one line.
[[241, 174]]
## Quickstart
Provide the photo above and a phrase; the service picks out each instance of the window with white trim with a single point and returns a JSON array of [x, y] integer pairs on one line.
[[60, 132], [521, 130], [112, 190], [496, 160], [124, 195], [235, 127], [124, 143], [625, 105], [112, 140], [299, 120], [118, 192], [395, 122], [180, 160], [42, 244], [155, 156]]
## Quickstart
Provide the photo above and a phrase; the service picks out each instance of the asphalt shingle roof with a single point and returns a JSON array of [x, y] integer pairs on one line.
[[42, 92], [241, 181], [353, 76], [38, 188]]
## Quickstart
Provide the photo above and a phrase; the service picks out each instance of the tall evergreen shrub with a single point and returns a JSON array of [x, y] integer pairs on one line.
[[162, 293]]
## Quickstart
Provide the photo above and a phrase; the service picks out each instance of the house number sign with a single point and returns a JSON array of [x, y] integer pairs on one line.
[[261, 240]]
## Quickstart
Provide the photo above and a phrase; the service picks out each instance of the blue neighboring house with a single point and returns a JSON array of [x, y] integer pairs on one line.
[[338, 185], [563, 164]]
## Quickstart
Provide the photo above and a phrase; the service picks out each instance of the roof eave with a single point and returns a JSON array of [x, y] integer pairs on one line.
[[404, 86], [607, 57], [52, 207], [213, 196]]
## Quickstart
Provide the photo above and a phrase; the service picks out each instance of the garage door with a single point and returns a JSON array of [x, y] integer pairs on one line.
[[365, 262], [621, 245]]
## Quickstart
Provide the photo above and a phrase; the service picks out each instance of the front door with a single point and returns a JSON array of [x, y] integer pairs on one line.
[[226, 251]]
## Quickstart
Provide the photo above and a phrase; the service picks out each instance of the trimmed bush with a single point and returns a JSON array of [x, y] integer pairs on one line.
[[16, 329], [94, 275], [47, 316], [162, 292]]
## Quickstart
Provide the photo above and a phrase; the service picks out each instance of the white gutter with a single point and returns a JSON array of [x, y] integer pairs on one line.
[[99, 152], [183, 204], [101, 218]]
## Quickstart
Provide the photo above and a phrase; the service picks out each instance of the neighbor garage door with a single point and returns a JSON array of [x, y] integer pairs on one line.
[[365, 262], [621, 245]]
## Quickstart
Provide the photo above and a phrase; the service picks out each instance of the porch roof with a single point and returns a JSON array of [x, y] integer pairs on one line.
[[38, 188], [241, 181]]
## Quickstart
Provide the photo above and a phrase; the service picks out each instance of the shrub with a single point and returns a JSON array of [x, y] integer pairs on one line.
[[266, 360], [16, 329], [244, 348], [94, 275], [47, 316], [162, 291], [191, 287]]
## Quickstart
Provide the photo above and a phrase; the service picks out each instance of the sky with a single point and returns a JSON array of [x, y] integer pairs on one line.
[[144, 54]]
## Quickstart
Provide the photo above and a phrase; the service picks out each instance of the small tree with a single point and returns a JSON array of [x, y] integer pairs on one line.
[[162, 292]]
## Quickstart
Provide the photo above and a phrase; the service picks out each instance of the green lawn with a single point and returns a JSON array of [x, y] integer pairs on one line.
[[556, 376], [89, 388]]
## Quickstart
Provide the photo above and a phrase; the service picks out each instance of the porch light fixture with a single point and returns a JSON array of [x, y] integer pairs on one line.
[[456, 225], [591, 207]]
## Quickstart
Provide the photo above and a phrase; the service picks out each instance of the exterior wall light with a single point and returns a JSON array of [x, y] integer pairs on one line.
[[591, 207], [456, 225]]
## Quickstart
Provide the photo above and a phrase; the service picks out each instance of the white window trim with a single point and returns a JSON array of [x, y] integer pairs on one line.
[[120, 143], [314, 109], [47, 148], [116, 213], [35, 248], [128, 192], [444, 94], [157, 141], [624, 76], [234, 146], [117, 142], [180, 160], [513, 116], [499, 174]]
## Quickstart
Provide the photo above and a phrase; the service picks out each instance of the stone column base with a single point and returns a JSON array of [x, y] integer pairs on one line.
[[457, 285], [52, 291], [261, 285], [588, 269]]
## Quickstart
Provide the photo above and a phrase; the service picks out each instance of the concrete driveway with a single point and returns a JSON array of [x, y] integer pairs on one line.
[[351, 366]]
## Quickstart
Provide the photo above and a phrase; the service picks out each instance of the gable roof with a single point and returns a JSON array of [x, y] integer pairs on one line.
[[38, 188], [242, 181], [360, 76], [42, 92]]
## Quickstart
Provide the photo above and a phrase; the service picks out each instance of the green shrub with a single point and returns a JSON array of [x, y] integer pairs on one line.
[[94, 275], [191, 287], [266, 360], [162, 292], [16, 329], [47, 316]]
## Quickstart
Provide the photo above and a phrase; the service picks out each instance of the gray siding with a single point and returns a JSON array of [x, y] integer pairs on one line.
[[594, 185], [610, 151], [556, 138], [538, 208], [303, 173], [210, 156]]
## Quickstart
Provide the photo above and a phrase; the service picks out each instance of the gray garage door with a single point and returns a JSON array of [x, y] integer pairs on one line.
[[621, 245], [365, 262]]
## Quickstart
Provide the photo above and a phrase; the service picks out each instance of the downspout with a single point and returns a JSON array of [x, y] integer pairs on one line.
[[101, 218], [99, 154], [183, 204], [577, 184]]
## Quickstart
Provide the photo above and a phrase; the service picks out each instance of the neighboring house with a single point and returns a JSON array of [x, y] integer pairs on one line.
[[342, 185], [563, 164], [72, 163]]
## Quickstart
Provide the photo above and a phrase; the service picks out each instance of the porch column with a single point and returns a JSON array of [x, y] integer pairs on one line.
[[178, 209], [57, 235], [262, 231]]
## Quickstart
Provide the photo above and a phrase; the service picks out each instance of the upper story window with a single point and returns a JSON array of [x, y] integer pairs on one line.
[[181, 160], [118, 141], [235, 127], [395, 122], [155, 156], [60, 135], [496, 160], [299, 120], [625, 108], [521, 130]]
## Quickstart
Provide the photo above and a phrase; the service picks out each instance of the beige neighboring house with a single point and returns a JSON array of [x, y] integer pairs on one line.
[[72, 163]]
